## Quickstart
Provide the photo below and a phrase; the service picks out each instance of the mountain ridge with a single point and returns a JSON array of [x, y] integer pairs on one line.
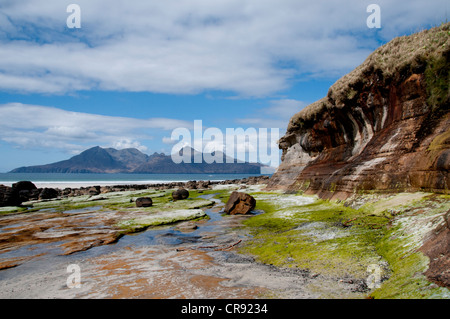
[[131, 160]]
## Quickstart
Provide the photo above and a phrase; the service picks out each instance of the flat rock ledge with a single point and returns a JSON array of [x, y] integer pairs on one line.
[[162, 218]]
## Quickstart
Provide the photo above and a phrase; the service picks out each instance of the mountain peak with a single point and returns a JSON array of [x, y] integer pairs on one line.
[[110, 160]]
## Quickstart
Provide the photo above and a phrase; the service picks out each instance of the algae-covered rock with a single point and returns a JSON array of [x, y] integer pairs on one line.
[[162, 218]]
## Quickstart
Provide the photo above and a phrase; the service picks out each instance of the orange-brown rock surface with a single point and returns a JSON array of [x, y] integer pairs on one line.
[[385, 126], [239, 203]]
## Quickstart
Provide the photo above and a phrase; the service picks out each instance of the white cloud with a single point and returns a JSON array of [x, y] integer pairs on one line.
[[34, 126], [188, 46], [127, 143], [168, 140], [276, 115]]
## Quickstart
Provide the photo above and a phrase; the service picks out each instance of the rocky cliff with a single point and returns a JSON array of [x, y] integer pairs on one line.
[[383, 127]]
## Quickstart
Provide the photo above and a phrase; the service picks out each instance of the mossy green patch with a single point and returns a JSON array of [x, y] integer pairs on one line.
[[437, 77], [400, 244], [162, 201], [12, 209], [322, 236], [330, 238], [440, 142], [158, 219]]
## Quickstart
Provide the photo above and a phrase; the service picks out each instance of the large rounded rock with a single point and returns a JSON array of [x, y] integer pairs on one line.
[[240, 203], [24, 186], [180, 194], [27, 190], [48, 193], [9, 196], [144, 202]]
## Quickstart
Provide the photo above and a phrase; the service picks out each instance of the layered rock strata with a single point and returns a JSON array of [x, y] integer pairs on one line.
[[383, 127]]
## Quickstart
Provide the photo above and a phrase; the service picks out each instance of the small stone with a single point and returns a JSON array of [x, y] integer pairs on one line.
[[144, 202]]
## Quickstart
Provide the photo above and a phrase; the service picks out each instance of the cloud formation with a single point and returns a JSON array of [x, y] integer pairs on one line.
[[276, 115], [35, 126], [248, 47]]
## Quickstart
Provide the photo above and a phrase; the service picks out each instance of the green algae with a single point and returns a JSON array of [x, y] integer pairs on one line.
[[317, 236], [12, 209], [159, 219], [322, 236], [329, 238], [400, 244], [123, 201]]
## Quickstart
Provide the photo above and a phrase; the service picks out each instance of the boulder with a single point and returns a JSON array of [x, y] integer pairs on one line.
[[180, 194], [240, 203], [191, 185], [9, 196], [26, 195], [48, 193], [144, 202], [26, 190], [67, 191], [94, 190], [203, 184], [24, 186]]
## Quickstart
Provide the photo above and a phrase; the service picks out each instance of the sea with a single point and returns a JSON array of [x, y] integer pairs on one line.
[[63, 180]]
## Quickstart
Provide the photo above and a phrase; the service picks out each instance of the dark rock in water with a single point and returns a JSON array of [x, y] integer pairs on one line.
[[180, 194], [240, 203], [144, 202], [9, 196], [48, 193]]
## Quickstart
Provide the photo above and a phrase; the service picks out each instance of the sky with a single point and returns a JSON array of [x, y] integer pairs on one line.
[[135, 71]]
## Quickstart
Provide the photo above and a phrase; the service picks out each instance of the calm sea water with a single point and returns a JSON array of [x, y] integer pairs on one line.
[[73, 180]]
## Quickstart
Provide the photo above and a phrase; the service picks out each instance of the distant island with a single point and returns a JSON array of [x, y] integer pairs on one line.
[[131, 160]]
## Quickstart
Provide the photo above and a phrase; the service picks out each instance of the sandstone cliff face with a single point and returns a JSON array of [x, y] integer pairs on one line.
[[385, 126]]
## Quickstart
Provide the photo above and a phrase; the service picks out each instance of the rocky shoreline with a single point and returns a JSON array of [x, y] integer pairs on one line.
[[24, 191], [328, 244]]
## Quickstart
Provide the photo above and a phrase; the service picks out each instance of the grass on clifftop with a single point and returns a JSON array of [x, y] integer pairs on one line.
[[426, 51]]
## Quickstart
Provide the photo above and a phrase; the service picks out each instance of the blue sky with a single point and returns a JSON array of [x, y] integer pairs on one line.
[[136, 70]]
